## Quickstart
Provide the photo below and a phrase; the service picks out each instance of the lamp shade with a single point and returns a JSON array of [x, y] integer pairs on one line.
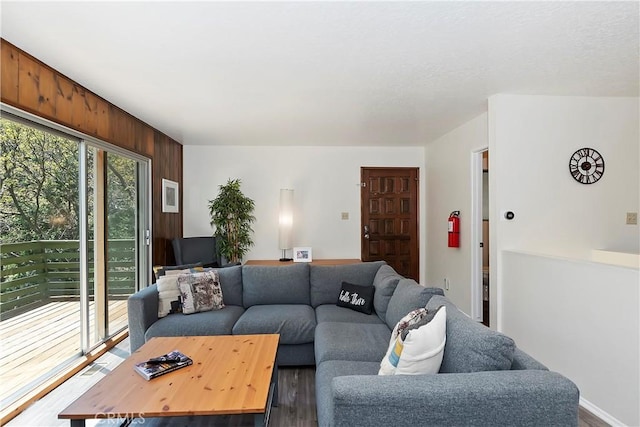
[[286, 219]]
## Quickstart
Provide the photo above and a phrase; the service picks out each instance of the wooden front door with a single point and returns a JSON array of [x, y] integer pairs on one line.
[[389, 218]]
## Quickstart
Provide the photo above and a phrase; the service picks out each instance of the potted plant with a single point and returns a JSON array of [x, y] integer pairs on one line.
[[231, 216]]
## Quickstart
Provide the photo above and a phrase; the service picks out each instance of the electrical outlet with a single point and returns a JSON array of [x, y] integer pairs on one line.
[[632, 218], [345, 215]]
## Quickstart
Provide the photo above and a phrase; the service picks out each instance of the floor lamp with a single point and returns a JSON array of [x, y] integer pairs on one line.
[[285, 222]]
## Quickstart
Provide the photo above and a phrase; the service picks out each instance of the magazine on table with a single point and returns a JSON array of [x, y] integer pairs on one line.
[[161, 365]]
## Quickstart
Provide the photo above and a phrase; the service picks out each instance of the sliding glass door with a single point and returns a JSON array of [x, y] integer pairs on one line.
[[75, 221], [39, 274], [115, 245]]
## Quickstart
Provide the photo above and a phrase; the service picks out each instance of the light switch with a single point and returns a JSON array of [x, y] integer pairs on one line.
[[345, 215], [632, 218]]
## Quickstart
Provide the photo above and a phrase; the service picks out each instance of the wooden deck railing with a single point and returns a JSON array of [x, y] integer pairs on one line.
[[32, 273]]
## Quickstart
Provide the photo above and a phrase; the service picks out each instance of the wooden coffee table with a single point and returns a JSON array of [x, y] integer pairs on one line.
[[231, 374]]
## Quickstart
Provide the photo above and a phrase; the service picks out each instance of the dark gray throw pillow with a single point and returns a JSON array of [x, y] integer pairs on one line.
[[356, 297]]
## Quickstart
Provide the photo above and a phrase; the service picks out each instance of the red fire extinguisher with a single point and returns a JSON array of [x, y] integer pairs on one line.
[[454, 229]]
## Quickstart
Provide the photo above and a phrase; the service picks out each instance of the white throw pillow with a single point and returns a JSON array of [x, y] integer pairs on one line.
[[418, 347], [168, 291], [390, 360]]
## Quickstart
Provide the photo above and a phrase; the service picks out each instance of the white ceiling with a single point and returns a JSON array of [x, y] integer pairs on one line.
[[327, 73]]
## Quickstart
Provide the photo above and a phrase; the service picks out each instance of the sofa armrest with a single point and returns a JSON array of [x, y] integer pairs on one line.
[[142, 309], [522, 360], [497, 398]]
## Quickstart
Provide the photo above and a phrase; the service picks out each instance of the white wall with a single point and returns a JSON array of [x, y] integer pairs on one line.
[[530, 141], [579, 318], [325, 181], [534, 136], [448, 163]]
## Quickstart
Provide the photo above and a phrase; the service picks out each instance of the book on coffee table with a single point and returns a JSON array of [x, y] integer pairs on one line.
[[161, 365]]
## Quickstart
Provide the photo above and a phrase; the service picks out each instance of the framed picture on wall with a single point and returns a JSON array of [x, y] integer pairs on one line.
[[302, 255], [170, 196]]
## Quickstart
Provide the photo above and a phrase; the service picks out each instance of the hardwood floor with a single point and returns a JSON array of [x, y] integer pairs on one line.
[[296, 403], [587, 419]]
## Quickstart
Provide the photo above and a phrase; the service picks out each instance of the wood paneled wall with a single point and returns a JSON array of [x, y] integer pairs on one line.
[[30, 85], [167, 163]]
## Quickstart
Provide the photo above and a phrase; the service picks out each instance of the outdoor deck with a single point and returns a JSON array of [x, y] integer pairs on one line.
[[36, 342]]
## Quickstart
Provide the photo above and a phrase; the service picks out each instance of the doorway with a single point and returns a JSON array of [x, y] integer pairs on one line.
[[480, 232], [389, 218]]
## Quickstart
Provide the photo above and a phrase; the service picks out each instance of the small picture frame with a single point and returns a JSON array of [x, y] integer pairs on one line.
[[302, 254], [170, 196]]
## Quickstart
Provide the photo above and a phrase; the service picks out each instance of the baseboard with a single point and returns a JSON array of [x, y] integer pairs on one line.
[[604, 416]]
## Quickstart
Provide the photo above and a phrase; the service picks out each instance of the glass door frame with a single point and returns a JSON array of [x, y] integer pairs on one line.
[[144, 214], [143, 230]]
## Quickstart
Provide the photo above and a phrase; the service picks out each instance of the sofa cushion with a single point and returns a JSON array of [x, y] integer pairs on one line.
[[215, 322], [295, 323], [356, 297], [200, 292], [351, 341], [333, 313], [326, 280], [296, 355], [263, 285], [231, 283], [408, 296], [418, 348], [471, 346], [385, 282]]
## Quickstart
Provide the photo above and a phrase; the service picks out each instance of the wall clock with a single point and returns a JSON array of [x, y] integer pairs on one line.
[[586, 165]]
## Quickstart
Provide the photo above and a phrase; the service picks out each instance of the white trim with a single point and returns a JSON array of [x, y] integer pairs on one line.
[[476, 233], [145, 276], [604, 416], [83, 215]]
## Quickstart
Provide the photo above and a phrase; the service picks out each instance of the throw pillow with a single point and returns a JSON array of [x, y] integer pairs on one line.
[[417, 344], [386, 367], [408, 295], [356, 297], [200, 292], [169, 299], [168, 293], [161, 270]]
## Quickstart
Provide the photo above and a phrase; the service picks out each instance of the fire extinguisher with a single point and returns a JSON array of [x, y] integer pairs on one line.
[[454, 229]]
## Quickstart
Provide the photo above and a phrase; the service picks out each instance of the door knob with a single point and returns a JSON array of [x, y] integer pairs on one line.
[[366, 231]]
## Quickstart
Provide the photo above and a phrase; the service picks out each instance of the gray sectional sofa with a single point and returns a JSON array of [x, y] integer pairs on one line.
[[484, 378]]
